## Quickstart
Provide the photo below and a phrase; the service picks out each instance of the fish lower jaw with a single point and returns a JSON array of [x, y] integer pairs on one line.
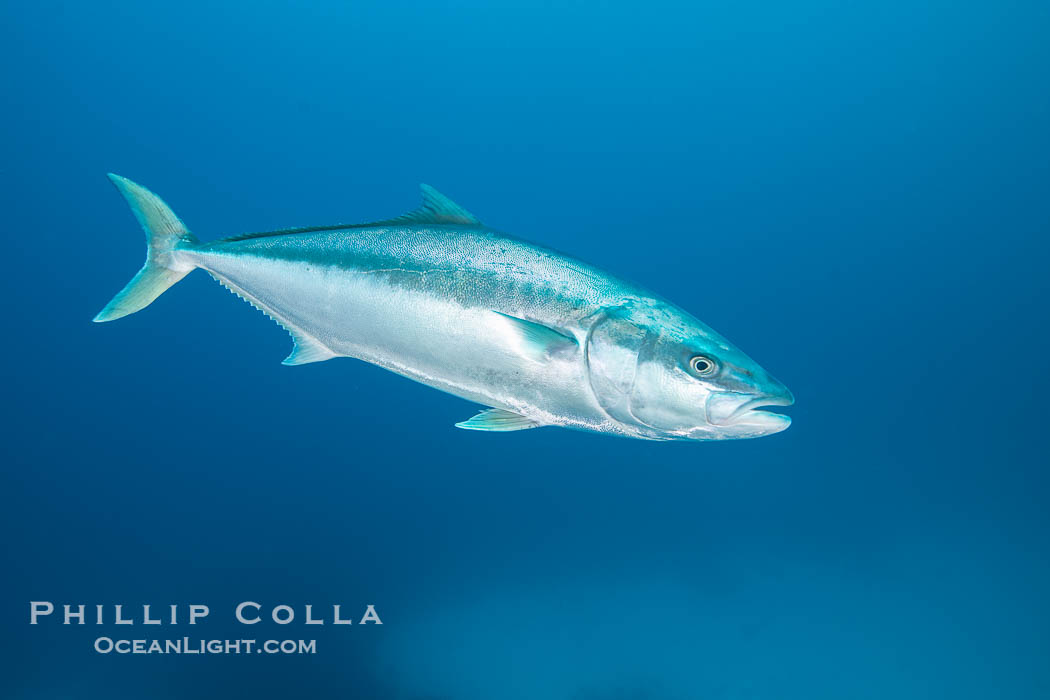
[[729, 409], [766, 420]]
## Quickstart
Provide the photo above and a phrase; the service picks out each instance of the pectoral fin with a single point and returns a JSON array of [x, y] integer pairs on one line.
[[498, 420], [532, 340]]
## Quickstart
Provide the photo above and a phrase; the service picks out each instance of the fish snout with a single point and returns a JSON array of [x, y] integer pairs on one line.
[[727, 408]]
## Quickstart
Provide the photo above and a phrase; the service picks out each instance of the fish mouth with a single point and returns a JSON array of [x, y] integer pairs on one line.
[[731, 409]]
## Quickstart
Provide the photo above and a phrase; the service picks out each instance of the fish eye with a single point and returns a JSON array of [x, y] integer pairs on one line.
[[702, 365]]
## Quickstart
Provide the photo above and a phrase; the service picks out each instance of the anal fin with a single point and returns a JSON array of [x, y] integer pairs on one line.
[[498, 420], [306, 350]]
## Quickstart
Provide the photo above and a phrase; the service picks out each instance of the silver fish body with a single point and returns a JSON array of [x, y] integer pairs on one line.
[[538, 337]]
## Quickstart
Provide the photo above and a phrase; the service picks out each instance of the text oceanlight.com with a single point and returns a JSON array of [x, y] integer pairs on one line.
[[106, 645]]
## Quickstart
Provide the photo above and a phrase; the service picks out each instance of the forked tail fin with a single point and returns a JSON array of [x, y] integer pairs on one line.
[[165, 235]]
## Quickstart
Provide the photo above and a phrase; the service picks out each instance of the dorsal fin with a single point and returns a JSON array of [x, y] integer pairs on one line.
[[435, 209]]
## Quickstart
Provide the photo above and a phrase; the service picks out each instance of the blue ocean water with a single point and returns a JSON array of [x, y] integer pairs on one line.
[[854, 193]]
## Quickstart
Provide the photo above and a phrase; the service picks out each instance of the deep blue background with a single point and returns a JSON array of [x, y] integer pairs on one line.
[[854, 193]]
